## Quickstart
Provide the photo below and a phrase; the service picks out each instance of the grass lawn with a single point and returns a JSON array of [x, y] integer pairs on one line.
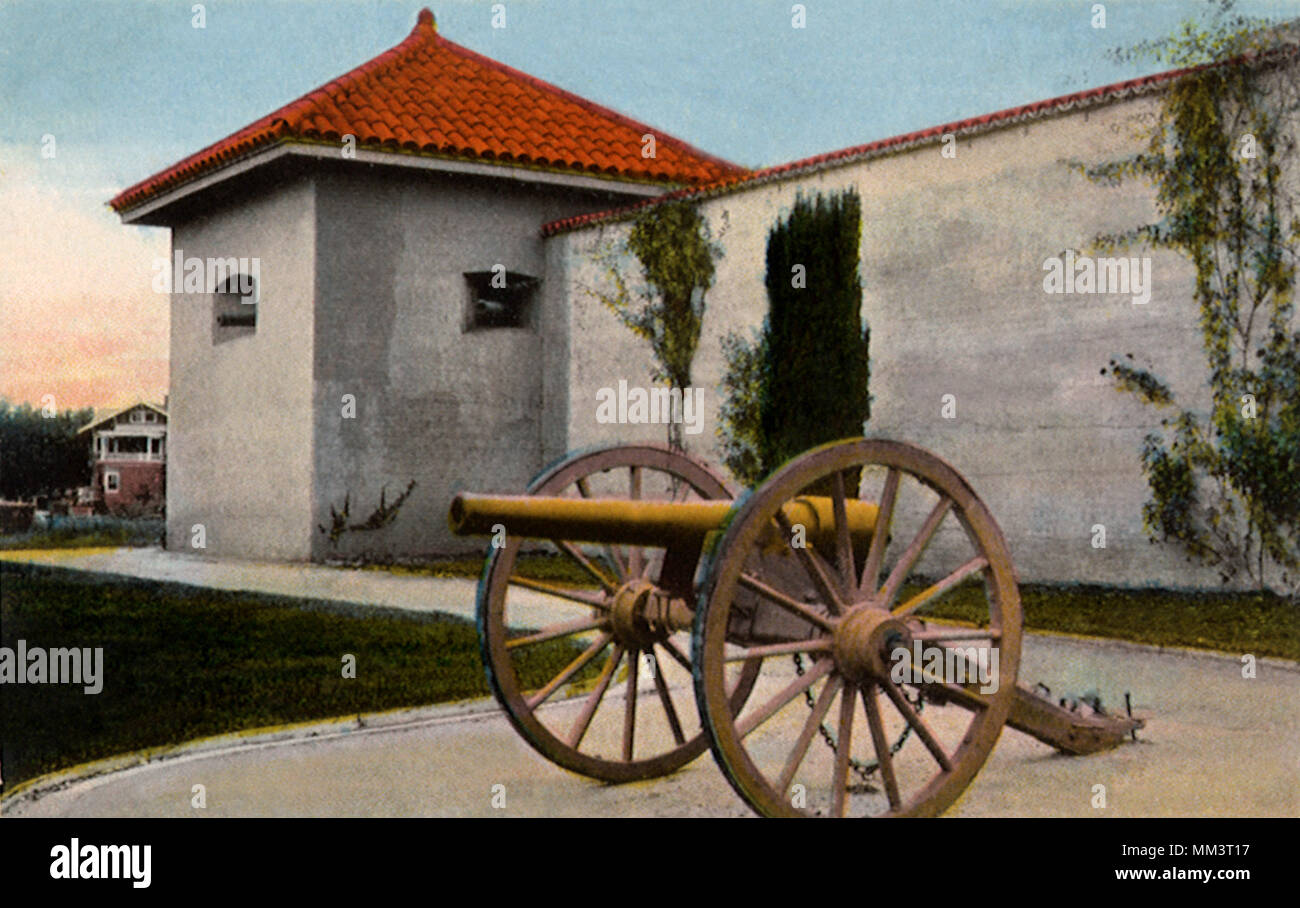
[[182, 662], [1263, 625], [109, 532]]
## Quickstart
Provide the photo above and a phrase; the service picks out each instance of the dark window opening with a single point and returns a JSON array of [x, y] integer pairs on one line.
[[129, 444], [235, 311], [500, 299]]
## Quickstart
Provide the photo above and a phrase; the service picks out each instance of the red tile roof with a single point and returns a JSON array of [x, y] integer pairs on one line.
[[934, 134], [431, 96]]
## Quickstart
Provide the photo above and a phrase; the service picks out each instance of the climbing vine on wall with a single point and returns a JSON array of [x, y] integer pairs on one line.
[[677, 254], [1224, 472]]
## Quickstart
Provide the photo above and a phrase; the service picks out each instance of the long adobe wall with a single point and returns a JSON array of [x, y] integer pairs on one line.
[[952, 265]]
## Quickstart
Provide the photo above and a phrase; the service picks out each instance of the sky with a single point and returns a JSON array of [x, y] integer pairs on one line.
[[128, 87]]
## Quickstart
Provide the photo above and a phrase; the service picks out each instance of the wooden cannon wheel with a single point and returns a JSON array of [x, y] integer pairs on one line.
[[948, 588], [648, 731]]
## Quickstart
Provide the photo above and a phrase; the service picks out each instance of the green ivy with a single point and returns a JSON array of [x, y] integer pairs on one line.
[[1225, 477], [677, 254]]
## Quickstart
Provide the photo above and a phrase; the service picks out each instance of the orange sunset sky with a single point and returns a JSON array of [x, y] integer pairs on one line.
[[79, 318]]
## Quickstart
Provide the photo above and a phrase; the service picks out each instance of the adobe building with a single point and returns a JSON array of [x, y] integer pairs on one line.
[[375, 294], [375, 283]]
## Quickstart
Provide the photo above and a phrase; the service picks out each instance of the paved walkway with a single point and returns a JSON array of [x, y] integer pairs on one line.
[[1215, 745], [312, 581]]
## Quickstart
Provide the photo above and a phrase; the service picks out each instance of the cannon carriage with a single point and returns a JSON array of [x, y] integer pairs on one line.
[[863, 595]]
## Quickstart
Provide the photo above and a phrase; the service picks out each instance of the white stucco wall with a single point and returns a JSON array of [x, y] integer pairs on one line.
[[448, 408], [240, 412], [952, 268]]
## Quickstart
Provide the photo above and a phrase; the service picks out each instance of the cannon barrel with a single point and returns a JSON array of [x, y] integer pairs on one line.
[[636, 522]]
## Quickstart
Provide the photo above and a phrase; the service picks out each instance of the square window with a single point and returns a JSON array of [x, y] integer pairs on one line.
[[234, 312], [499, 299], [112, 482]]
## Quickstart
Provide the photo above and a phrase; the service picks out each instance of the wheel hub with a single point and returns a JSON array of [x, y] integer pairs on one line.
[[642, 615], [864, 639]]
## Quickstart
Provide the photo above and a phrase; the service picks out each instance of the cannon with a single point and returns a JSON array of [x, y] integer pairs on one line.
[[863, 595]]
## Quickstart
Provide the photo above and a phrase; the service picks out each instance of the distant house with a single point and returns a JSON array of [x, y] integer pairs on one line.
[[128, 450]]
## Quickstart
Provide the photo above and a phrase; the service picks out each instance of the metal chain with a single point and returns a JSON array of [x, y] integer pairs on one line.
[[863, 770]]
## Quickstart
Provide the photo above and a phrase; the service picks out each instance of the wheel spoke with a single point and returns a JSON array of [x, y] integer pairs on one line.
[[575, 626], [914, 550], [977, 563], [881, 744], [816, 571], [563, 592], [880, 535], [843, 541], [620, 566], [822, 644], [569, 671], [629, 713], [610, 585], [843, 744], [914, 719], [678, 657], [635, 554], [810, 727], [937, 634], [786, 694], [666, 699], [593, 701], [787, 602]]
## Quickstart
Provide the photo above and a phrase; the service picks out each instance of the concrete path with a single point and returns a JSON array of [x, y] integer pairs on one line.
[[1215, 745], [311, 581]]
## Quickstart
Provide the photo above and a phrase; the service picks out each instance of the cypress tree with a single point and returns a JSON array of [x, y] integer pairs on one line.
[[813, 386]]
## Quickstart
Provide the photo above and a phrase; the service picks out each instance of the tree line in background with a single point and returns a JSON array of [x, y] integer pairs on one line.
[[39, 454]]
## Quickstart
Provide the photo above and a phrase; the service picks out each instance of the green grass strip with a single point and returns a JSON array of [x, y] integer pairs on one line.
[[184, 662]]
